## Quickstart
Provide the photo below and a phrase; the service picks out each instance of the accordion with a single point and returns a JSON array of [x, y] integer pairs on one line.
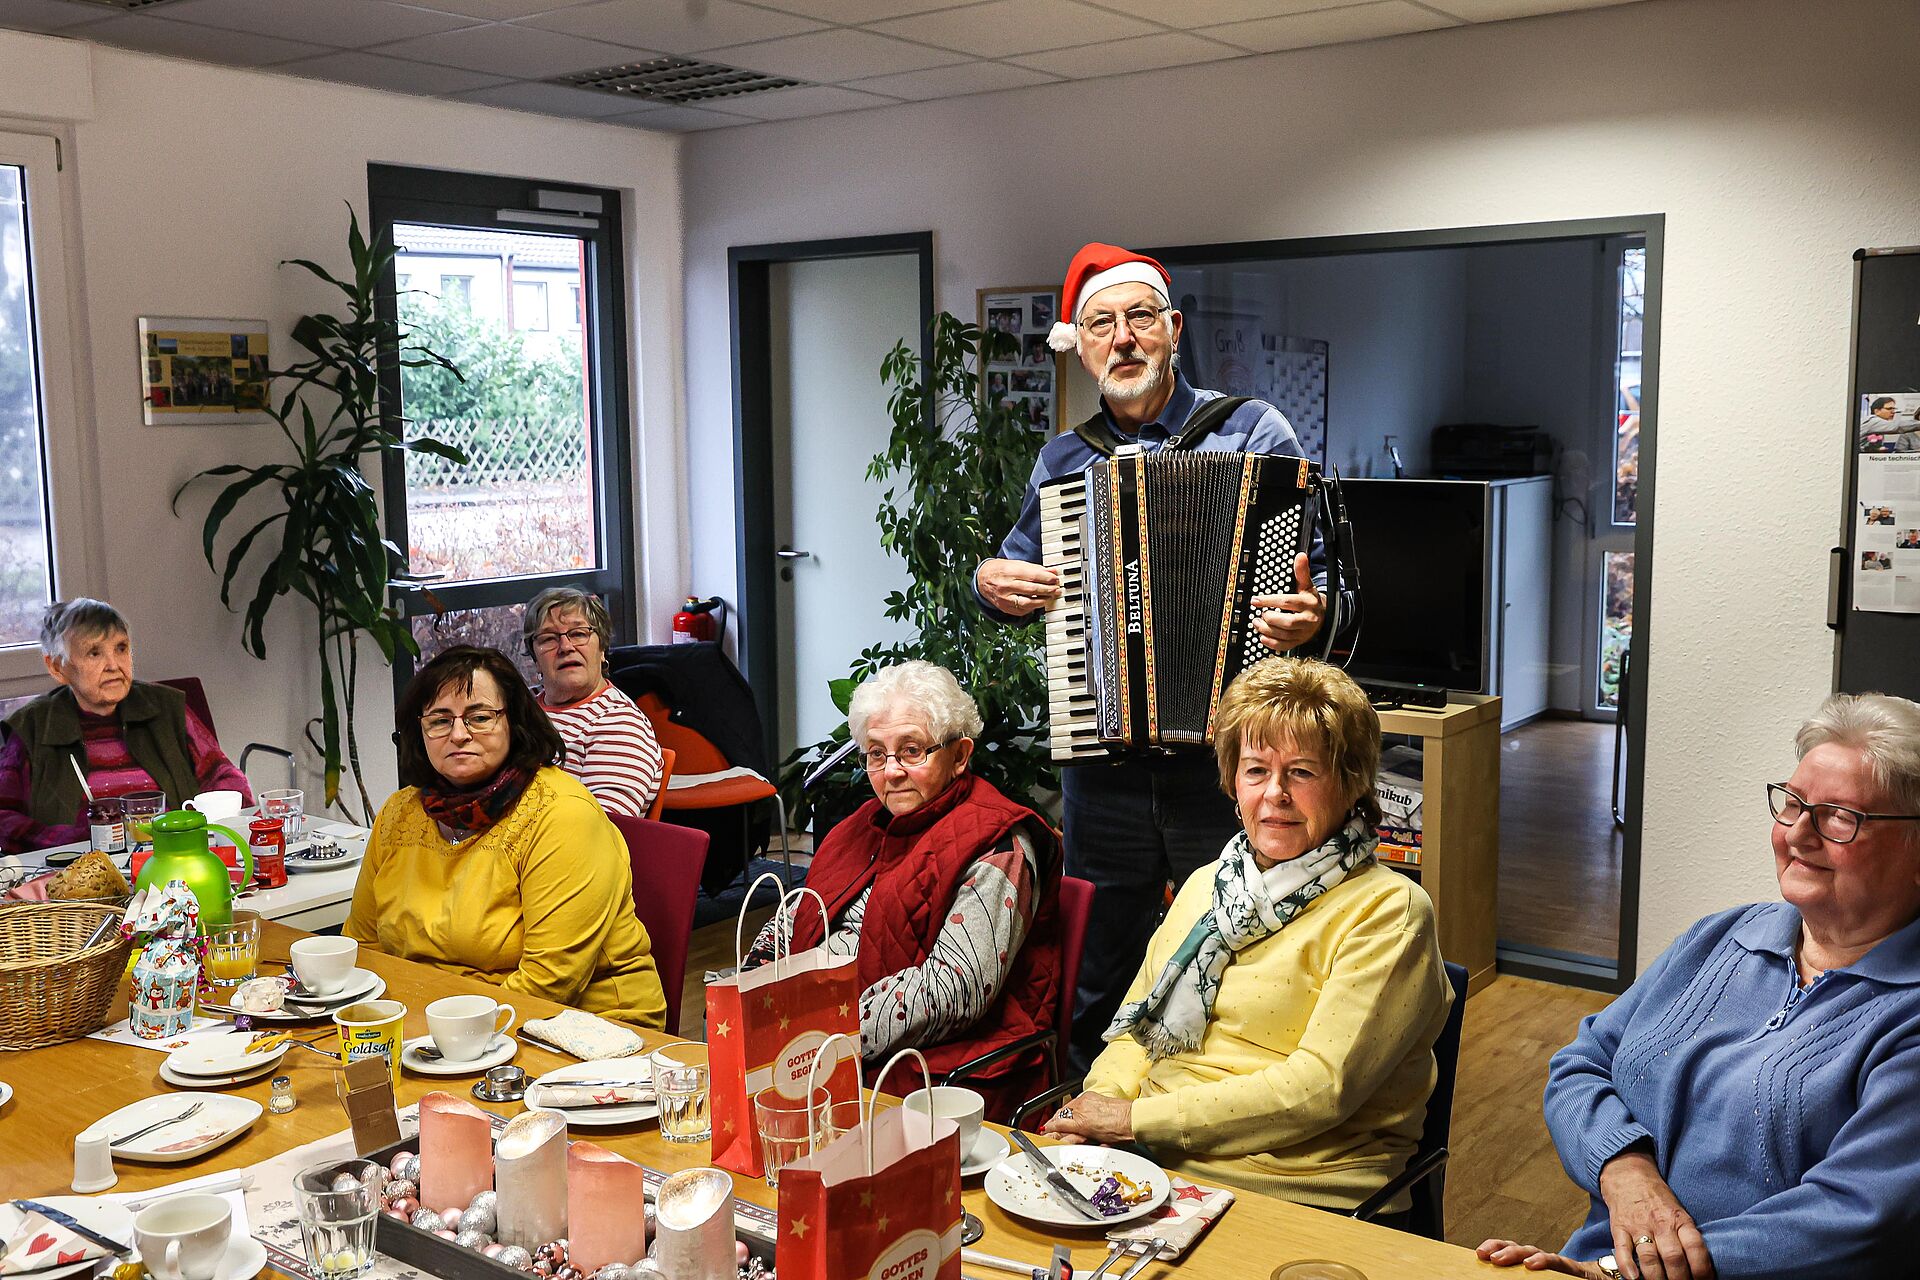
[[1159, 557]]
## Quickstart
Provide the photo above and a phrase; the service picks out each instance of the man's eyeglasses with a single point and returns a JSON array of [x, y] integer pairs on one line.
[[548, 641], [1139, 319], [1836, 822], [911, 756], [479, 720]]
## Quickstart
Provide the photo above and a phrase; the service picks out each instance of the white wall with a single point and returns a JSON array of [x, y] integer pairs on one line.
[[1766, 131], [192, 183]]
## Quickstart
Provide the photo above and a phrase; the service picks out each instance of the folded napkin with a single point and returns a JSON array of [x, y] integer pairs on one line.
[[605, 1095], [1189, 1210], [35, 1241], [584, 1036]]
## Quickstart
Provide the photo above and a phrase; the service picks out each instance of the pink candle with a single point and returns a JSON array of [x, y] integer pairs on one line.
[[606, 1213], [456, 1152], [530, 1173]]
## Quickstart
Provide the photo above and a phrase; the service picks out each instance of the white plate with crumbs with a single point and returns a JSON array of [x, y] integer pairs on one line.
[[1015, 1186]]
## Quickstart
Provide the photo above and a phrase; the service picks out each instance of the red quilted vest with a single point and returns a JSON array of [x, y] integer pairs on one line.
[[916, 863]]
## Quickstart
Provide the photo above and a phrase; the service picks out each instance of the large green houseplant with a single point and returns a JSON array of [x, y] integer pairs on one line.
[[956, 467], [322, 540]]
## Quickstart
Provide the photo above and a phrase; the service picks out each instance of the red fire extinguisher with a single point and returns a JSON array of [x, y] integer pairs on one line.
[[695, 621]]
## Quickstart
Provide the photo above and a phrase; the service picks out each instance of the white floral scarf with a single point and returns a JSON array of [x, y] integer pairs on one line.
[[1248, 904]]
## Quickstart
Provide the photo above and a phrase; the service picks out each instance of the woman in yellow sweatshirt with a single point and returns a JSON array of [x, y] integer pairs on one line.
[[1279, 1036], [495, 864]]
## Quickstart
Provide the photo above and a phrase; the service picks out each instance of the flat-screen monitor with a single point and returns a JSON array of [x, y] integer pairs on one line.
[[1422, 552]]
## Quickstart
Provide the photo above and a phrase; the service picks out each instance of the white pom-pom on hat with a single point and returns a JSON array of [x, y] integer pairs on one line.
[[1064, 336]]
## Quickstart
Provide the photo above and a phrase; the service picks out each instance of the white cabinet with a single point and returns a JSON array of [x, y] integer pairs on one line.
[[1520, 596]]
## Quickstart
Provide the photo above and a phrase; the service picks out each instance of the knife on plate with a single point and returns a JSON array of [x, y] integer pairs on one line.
[[1056, 1180]]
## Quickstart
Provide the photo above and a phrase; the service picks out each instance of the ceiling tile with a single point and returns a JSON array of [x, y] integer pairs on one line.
[[953, 82], [495, 10], [553, 100], [1329, 26], [807, 100], [1006, 27], [346, 24], [47, 15], [673, 28], [525, 53], [827, 56], [678, 119], [1202, 13], [1117, 57], [856, 11], [396, 74], [204, 44], [1497, 10]]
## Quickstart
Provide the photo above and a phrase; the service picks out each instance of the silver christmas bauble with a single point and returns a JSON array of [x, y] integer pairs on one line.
[[479, 1218], [470, 1239], [427, 1219], [516, 1257], [405, 1165]]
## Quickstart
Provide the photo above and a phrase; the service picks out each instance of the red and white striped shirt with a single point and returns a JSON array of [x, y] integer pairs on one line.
[[610, 748]]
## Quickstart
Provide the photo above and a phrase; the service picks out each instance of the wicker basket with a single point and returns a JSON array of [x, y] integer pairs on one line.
[[50, 990]]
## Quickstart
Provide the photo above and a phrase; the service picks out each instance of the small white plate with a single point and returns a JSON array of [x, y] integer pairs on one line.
[[180, 1081], [1016, 1187], [223, 1118], [989, 1149], [108, 1217], [300, 863], [362, 984], [6, 1093], [636, 1069], [501, 1049], [216, 1056], [245, 1258]]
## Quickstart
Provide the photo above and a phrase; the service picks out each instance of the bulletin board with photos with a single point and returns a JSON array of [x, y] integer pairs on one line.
[[1029, 375]]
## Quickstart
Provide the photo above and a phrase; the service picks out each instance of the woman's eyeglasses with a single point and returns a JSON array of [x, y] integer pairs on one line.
[[548, 641], [911, 756], [479, 720], [1836, 822]]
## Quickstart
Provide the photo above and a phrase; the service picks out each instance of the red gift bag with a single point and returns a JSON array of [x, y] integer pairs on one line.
[[764, 1029], [879, 1202]]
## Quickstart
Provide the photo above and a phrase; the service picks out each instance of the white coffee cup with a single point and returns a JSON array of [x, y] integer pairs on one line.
[[323, 965], [184, 1237], [218, 806], [950, 1102], [463, 1026]]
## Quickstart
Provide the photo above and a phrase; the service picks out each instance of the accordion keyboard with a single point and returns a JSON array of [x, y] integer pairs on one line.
[[1073, 724]]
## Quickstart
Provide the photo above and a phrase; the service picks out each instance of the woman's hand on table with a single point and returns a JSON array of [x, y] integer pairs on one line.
[[1653, 1235], [1506, 1253], [1092, 1117]]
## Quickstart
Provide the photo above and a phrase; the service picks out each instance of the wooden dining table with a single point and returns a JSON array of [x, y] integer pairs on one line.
[[62, 1089]]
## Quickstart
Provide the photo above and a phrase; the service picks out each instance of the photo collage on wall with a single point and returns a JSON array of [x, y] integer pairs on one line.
[[1886, 576], [1025, 372]]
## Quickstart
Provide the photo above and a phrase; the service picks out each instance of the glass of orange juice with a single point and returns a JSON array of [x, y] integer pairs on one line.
[[234, 951]]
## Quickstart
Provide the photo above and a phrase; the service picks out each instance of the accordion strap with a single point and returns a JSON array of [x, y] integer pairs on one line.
[[1105, 441]]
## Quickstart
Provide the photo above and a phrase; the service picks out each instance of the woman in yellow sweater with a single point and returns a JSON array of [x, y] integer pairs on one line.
[[1279, 1036], [496, 864]]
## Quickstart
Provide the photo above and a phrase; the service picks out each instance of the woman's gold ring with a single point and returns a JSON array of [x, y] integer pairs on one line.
[[1643, 1240]]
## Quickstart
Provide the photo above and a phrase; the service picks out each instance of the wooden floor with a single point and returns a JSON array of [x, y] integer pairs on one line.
[[1559, 849], [1503, 1178]]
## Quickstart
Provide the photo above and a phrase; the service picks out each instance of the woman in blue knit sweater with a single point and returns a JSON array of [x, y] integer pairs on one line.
[[1747, 1108]]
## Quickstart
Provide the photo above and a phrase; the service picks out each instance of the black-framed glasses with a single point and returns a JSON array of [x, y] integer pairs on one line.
[[479, 721], [1836, 822], [1139, 319], [911, 756], [548, 641]]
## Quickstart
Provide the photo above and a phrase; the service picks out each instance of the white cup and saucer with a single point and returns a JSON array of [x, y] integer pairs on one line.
[[980, 1148], [194, 1237], [467, 1033], [323, 965]]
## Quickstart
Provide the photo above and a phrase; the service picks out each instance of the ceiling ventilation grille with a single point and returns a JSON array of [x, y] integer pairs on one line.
[[673, 80], [130, 5]]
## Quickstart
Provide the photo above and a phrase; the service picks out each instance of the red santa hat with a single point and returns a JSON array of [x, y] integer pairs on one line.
[[1096, 267]]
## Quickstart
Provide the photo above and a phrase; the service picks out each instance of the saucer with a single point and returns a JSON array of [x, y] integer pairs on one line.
[[222, 1057], [362, 984], [180, 1080], [989, 1149], [6, 1092], [244, 1259], [499, 1050]]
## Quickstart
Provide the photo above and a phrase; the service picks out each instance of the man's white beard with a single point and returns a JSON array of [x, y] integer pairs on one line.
[[1156, 376]]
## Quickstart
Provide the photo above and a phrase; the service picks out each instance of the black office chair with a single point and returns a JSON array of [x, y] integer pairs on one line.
[[1426, 1173]]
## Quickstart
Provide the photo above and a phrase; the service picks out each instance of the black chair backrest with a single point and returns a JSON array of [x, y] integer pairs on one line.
[[1446, 1057]]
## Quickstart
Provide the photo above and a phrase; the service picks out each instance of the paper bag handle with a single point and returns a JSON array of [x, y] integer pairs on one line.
[[819, 1056], [788, 914], [740, 924], [866, 1115]]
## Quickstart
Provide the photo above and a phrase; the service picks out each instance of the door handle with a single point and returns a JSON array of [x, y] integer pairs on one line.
[[788, 553]]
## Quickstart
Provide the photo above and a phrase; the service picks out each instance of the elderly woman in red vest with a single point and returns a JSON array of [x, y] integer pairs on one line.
[[944, 888]]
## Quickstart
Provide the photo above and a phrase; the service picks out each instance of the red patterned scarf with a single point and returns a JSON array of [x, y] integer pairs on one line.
[[474, 809]]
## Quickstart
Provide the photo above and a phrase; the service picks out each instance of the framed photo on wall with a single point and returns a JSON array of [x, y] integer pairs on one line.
[[1027, 373], [203, 372]]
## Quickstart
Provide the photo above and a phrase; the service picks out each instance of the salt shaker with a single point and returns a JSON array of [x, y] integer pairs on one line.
[[282, 1100]]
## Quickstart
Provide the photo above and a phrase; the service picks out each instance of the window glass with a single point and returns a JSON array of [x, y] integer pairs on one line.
[[25, 553], [497, 627], [1616, 624], [1626, 420]]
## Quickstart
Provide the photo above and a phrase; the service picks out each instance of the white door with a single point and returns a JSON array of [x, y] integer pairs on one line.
[[833, 321]]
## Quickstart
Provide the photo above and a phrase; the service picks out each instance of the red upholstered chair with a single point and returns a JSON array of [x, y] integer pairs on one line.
[[667, 862], [667, 758]]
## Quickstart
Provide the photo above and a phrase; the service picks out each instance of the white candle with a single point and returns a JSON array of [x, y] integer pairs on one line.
[[530, 1175], [693, 1226]]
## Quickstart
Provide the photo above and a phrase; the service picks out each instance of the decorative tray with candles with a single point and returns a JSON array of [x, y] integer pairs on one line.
[[530, 1205]]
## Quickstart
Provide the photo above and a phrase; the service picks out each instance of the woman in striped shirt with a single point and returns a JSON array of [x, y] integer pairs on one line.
[[610, 742]]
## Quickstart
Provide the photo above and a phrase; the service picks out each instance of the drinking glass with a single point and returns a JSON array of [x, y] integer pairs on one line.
[[233, 952], [680, 1081], [789, 1128], [290, 806], [838, 1119], [142, 807], [337, 1225]]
